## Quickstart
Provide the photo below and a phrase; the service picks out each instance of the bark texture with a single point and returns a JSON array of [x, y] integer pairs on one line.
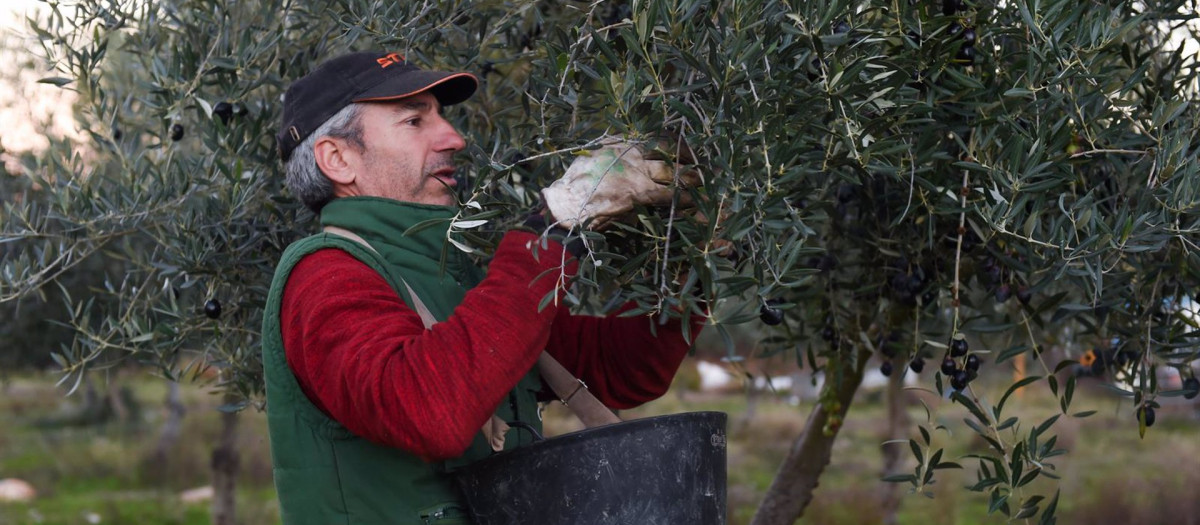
[[156, 463], [897, 428], [225, 460], [792, 489]]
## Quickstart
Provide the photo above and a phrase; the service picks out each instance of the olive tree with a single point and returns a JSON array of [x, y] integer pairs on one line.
[[916, 180]]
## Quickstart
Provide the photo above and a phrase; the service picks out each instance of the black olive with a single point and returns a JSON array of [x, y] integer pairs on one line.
[[949, 367], [224, 111], [212, 308], [1024, 294], [966, 55], [886, 368], [176, 132], [917, 364], [1003, 293], [972, 363], [969, 36], [959, 347], [829, 333], [770, 315], [1149, 415], [1191, 387], [960, 380], [815, 72]]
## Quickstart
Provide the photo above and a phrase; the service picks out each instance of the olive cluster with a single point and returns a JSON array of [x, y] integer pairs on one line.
[[958, 365], [1122, 362], [887, 345], [816, 68], [910, 282], [224, 111], [1145, 412], [995, 274], [966, 52]]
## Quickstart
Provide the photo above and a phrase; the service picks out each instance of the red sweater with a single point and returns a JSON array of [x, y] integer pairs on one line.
[[366, 360]]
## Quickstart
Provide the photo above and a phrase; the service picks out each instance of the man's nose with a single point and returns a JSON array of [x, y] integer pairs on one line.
[[448, 138]]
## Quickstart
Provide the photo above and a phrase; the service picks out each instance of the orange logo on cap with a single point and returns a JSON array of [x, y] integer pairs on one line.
[[389, 59]]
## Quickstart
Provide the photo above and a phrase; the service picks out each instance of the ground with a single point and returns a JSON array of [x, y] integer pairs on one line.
[[98, 474]]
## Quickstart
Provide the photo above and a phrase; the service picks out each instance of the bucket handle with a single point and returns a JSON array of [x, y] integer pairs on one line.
[[537, 436]]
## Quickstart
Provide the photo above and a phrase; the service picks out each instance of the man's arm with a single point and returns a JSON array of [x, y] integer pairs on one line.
[[365, 359], [623, 364]]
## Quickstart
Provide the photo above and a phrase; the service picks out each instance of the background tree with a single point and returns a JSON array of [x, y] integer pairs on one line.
[[915, 179]]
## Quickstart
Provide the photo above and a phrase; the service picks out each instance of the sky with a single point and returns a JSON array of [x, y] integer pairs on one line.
[[23, 101]]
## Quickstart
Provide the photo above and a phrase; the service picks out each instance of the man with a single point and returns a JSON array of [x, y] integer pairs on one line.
[[368, 409]]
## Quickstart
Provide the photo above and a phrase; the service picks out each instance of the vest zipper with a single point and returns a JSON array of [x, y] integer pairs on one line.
[[438, 513], [513, 405]]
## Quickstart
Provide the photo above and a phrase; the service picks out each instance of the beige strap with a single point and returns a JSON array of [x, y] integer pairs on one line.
[[575, 394], [426, 316], [572, 391], [495, 428]]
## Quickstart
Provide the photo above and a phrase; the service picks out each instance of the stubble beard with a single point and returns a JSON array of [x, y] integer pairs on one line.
[[428, 177], [405, 182]]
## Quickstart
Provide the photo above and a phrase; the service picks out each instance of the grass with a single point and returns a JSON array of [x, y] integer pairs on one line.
[[98, 474]]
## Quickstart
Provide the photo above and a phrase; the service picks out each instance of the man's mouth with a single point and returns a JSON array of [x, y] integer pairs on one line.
[[446, 176]]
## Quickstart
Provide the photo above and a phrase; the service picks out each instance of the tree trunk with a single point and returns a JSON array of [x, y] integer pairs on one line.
[[792, 489], [897, 428], [156, 462], [94, 408], [116, 401], [747, 416], [224, 469]]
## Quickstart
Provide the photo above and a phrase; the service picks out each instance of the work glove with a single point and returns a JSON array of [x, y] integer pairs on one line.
[[606, 183]]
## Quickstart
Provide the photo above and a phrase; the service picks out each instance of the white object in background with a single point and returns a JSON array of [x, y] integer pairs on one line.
[[13, 489], [873, 379], [197, 495], [712, 375]]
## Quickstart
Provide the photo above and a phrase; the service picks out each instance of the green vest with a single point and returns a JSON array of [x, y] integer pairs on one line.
[[326, 475]]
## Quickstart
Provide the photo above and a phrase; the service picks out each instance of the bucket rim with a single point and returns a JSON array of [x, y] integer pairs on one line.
[[571, 438]]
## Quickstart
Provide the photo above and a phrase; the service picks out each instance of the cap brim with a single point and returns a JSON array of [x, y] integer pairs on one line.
[[449, 88]]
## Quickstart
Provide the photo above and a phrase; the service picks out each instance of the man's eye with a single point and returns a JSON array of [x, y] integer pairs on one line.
[[413, 121]]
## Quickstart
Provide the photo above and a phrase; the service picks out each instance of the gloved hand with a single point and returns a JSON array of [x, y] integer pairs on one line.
[[607, 183]]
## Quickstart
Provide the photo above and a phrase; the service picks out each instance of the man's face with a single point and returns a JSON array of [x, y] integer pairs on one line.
[[409, 151]]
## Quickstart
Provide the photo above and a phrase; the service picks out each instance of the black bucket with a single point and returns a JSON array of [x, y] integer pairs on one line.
[[665, 470]]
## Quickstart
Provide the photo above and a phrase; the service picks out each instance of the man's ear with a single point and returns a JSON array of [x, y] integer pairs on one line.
[[331, 154]]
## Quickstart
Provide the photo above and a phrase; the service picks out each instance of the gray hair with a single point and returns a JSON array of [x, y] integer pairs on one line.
[[304, 178]]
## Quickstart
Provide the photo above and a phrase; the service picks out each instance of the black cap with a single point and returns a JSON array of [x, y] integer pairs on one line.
[[372, 76]]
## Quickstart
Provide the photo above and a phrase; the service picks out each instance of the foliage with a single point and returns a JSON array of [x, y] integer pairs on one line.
[[889, 175]]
